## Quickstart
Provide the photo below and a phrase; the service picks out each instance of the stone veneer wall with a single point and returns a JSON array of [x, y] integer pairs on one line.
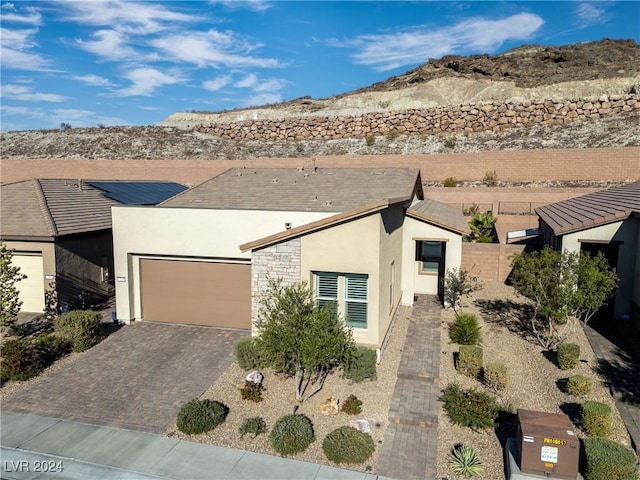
[[452, 119], [277, 261]]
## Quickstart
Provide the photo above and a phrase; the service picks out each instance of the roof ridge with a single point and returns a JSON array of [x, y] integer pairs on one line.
[[42, 201]]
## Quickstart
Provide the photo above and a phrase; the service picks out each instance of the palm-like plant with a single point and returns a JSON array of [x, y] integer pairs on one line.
[[465, 461], [482, 228]]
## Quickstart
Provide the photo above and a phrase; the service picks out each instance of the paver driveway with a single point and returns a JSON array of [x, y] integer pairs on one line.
[[137, 378]]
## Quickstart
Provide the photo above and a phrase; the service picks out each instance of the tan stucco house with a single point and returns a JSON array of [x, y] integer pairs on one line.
[[363, 238], [60, 234], [607, 221]]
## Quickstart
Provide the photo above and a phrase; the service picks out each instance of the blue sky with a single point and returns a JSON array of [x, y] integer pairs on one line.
[[94, 62]]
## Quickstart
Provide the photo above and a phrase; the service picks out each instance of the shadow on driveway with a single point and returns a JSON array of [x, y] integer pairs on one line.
[[137, 378]]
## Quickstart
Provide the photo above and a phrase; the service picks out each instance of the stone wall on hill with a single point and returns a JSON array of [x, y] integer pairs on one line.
[[491, 116]]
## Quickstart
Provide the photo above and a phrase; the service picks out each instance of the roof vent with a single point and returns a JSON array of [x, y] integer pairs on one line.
[[275, 180], [306, 175], [301, 169], [327, 203], [287, 225]]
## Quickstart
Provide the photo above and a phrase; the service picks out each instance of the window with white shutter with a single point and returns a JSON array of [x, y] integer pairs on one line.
[[326, 288], [356, 300]]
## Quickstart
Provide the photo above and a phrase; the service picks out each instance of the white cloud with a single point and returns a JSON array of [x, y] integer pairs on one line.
[[31, 16], [21, 111], [16, 51], [211, 48], [589, 14], [247, 82], [253, 5], [262, 99], [126, 16], [26, 94], [270, 85], [387, 51], [217, 83], [110, 45], [146, 80], [93, 80]]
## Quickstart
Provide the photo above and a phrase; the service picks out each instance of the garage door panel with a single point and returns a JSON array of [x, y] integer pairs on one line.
[[196, 293], [30, 289]]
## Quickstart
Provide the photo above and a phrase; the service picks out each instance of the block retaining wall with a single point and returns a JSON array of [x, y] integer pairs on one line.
[[490, 262]]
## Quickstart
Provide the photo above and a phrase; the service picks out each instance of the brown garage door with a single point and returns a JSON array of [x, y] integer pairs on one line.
[[196, 293]]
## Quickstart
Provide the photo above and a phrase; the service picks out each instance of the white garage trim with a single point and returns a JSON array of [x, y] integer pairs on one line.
[[31, 289]]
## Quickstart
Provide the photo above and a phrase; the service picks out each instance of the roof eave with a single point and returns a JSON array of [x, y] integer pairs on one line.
[[438, 222]]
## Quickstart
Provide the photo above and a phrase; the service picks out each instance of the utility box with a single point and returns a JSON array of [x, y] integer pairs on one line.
[[548, 445]]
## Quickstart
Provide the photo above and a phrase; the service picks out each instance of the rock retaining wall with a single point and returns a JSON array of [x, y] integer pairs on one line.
[[492, 116]]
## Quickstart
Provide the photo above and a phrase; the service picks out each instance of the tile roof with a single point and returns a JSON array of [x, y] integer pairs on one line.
[[445, 216], [54, 207], [321, 190], [592, 210]]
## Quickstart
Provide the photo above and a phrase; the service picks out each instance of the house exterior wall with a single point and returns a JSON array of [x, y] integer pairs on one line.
[[185, 232], [46, 250], [625, 232], [352, 247], [276, 261], [81, 263], [412, 281]]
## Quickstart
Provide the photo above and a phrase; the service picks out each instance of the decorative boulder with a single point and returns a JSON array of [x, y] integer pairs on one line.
[[362, 425], [330, 406], [255, 377]]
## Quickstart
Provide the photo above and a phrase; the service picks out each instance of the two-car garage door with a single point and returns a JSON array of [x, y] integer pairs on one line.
[[196, 292]]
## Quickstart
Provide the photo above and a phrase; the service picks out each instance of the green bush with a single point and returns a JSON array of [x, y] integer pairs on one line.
[[254, 425], [248, 354], [568, 355], [360, 364], [19, 360], [465, 330], [469, 360], [81, 328], [352, 405], [450, 182], [579, 385], [348, 445], [292, 434], [596, 418], [470, 408], [199, 416], [252, 391], [465, 461], [607, 460], [370, 140], [50, 348], [495, 376]]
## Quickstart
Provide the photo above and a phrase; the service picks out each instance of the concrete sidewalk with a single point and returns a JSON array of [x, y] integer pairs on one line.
[[44, 447]]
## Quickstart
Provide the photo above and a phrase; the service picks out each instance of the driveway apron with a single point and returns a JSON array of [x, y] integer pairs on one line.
[[137, 378]]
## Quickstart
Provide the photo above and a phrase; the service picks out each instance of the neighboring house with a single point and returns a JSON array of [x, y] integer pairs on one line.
[[362, 238], [60, 234], [607, 221]]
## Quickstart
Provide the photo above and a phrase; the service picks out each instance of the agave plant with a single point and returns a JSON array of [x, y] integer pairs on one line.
[[465, 461]]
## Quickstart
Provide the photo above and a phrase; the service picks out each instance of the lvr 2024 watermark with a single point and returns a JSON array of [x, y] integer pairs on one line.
[[35, 466]]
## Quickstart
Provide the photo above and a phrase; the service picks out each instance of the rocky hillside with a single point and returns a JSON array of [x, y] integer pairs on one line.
[[594, 69]]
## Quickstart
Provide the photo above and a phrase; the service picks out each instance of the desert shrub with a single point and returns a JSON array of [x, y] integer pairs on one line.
[[248, 354], [352, 405], [464, 460], [495, 376], [50, 347], [198, 416], [608, 460], [469, 360], [579, 385], [450, 182], [470, 408], [292, 434], [568, 355], [254, 425], [450, 142], [360, 364], [348, 445], [393, 134], [596, 418], [19, 360], [81, 328], [465, 329], [252, 391], [370, 140], [490, 178]]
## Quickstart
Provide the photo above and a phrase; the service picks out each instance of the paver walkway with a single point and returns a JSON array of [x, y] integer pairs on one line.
[[137, 378], [410, 447]]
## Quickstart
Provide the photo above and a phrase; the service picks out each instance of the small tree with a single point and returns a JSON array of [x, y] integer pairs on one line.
[[299, 338], [482, 228], [457, 284], [562, 285], [9, 276]]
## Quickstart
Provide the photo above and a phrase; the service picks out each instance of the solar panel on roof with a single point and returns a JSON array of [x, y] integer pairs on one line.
[[139, 193]]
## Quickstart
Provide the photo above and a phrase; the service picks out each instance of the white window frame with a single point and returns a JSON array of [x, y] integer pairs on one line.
[[344, 297]]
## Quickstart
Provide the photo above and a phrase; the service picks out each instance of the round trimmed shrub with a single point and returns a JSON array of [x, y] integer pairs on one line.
[[465, 330], [596, 418], [352, 405], [608, 460], [292, 434], [79, 327], [254, 425], [19, 360], [470, 408], [198, 416], [248, 354], [348, 445]]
